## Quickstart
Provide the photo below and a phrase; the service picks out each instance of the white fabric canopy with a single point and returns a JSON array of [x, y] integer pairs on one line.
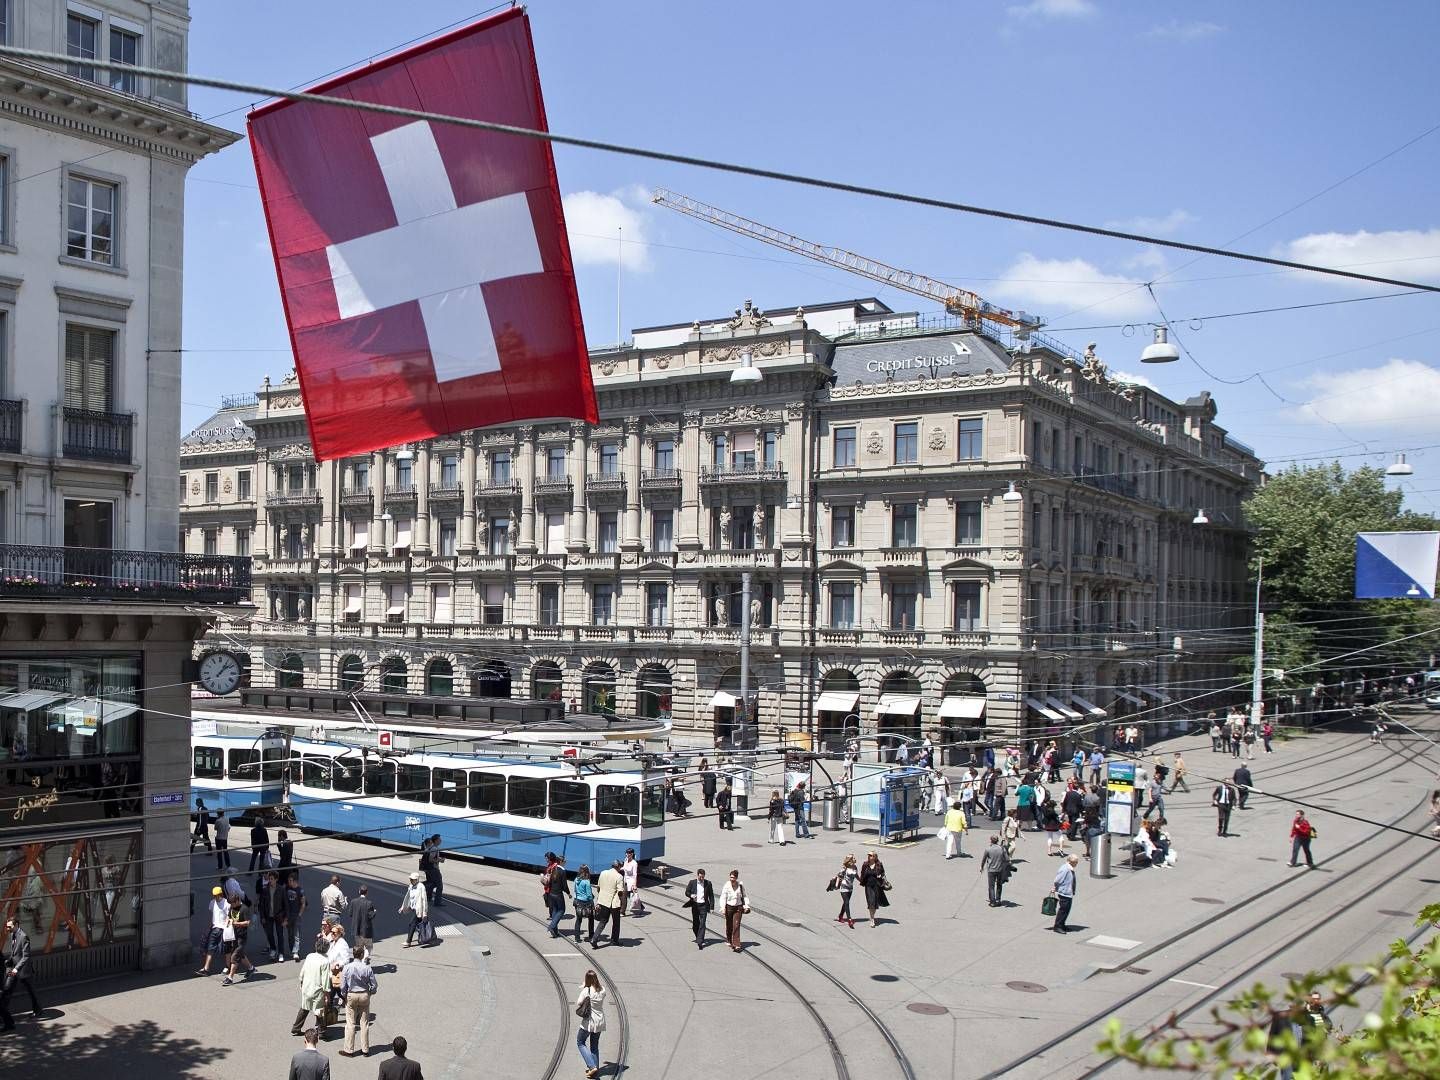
[[963, 707], [352, 598], [30, 699], [1127, 696], [402, 532], [362, 536], [1060, 707], [1158, 695], [1042, 709], [897, 705], [837, 701], [1086, 706], [397, 600], [743, 441], [723, 700], [444, 611]]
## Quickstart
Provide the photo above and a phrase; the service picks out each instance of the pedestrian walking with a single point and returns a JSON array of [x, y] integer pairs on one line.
[[1051, 825], [999, 789], [219, 917], [362, 922], [1010, 832], [237, 929], [954, 830], [430, 860], [590, 1008], [269, 903], [1249, 738], [417, 900], [1025, 803], [700, 899], [797, 805], [707, 784], [723, 798], [400, 1067], [1077, 765], [222, 840], [285, 848], [1064, 891], [259, 845], [776, 818], [557, 888], [357, 985], [995, 865], [1155, 792], [1301, 833], [1097, 762], [1072, 806], [1267, 732], [967, 797], [295, 907], [735, 903], [314, 991], [1223, 799], [16, 971], [939, 792], [333, 901], [201, 835], [609, 899], [630, 869], [875, 884], [310, 1063], [1243, 783], [1214, 733], [844, 884], [1180, 769]]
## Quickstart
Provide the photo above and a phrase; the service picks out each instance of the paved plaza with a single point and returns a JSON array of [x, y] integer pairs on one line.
[[945, 986]]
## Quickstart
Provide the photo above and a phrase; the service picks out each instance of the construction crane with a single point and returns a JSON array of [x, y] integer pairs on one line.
[[957, 301]]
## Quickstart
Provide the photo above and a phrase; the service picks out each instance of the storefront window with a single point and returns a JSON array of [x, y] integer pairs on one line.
[[74, 893]]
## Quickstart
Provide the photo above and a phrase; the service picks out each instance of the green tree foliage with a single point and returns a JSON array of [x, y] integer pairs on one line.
[[1262, 1032]]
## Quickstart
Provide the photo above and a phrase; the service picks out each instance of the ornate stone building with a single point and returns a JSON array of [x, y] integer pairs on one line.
[[940, 527]]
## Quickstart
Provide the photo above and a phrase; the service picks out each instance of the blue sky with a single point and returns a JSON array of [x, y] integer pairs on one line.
[[1198, 122]]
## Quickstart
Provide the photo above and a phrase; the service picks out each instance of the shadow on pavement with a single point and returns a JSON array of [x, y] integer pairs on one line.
[[40, 1051]]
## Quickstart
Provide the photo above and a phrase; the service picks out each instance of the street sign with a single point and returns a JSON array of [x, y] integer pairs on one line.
[[387, 740], [569, 751], [168, 798]]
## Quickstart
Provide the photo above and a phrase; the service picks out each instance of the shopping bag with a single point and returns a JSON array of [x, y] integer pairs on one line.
[[1049, 906], [427, 932]]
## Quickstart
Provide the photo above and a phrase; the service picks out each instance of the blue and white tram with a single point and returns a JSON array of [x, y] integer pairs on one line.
[[481, 807], [238, 773]]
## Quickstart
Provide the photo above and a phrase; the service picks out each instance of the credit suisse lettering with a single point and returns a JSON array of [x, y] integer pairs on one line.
[[916, 363]]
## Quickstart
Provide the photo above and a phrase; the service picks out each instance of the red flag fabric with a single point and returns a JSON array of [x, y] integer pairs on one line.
[[424, 267]]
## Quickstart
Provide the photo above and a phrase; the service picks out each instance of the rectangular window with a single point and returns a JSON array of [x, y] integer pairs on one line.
[[4, 174], [570, 802], [903, 522], [610, 459], [720, 450], [493, 610], [555, 463], [212, 487], [665, 455], [607, 532], [499, 536], [449, 470], [549, 605], [487, 792], [842, 606], [842, 526], [404, 474], [742, 454], [554, 534], [354, 604], [907, 443], [500, 467], [844, 447], [904, 601], [242, 540], [771, 448], [1037, 522], [527, 796], [616, 806], [395, 609], [91, 206], [345, 774], [448, 787], [404, 532], [380, 779], [971, 439], [657, 604], [967, 605], [1054, 528], [89, 367], [124, 49], [967, 522], [662, 530], [442, 608], [315, 771], [81, 40], [242, 484], [413, 782], [602, 604], [446, 542], [361, 474], [243, 765], [294, 478], [209, 763], [212, 541], [359, 534]]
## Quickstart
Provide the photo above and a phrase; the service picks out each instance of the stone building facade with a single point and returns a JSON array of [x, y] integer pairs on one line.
[[941, 528]]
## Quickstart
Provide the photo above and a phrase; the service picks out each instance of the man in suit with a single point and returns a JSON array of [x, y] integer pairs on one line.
[[700, 899], [17, 970], [400, 1067], [1223, 799], [310, 1063], [362, 921], [609, 898], [722, 804], [996, 868], [1244, 782]]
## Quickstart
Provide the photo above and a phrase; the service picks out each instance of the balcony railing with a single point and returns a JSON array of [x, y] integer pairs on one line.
[[400, 493], [497, 489], [98, 436], [446, 492], [72, 573], [660, 478], [357, 496], [293, 497], [743, 474], [552, 485], [1108, 481], [11, 415], [605, 481]]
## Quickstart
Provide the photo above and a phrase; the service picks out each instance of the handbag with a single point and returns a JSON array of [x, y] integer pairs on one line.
[[831, 886], [885, 884], [1049, 906], [582, 1010], [228, 934]]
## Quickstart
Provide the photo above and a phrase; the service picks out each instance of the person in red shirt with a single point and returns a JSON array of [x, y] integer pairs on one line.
[[1301, 833]]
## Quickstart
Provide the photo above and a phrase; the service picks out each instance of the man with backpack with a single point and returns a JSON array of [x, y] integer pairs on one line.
[[797, 805]]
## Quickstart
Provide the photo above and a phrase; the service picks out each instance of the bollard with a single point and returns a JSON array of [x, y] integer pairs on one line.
[[830, 808], [1100, 856]]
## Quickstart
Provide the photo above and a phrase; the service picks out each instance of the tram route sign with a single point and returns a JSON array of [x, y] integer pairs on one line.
[[387, 740], [168, 798]]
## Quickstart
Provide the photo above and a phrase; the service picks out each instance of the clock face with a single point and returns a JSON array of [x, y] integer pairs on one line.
[[220, 673]]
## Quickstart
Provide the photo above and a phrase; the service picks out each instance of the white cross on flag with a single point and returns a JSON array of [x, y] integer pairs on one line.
[[424, 267]]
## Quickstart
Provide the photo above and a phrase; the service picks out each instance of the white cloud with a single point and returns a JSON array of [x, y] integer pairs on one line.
[[1057, 286], [593, 219], [1172, 222], [1394, 395], [1053, 9], [1184, 30], [1137, 380], [1400, 253]]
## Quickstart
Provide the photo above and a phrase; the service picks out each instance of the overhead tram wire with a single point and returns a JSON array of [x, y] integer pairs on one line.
[[712, 164]]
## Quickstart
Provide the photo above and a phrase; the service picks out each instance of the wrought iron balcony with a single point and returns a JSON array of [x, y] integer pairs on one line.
[[293, 497], [400, 493], [651, 479], [491, 488], [605, 481], [446, 492], [11, 415], [552, 485], [98, 436], [73, 573], [743, 474], [357, 496]]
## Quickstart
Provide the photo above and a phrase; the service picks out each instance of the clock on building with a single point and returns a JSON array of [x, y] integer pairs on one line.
[[220, 673]]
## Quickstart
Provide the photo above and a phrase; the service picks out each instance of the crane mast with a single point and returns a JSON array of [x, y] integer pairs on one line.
[[956, 301]]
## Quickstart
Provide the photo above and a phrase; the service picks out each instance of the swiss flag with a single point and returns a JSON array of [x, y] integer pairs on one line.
[[424, 267]]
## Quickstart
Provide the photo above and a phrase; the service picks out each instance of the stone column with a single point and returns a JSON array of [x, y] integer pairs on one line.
[[527, 545], [576, 539], [328, 484], [690, 535], [792, 523], [261, 546], [378, 480], [422, 500], [630, 538], [467, 494]]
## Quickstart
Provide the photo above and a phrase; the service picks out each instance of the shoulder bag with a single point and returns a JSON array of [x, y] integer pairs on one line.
[[582, 1010], [1049, 906]]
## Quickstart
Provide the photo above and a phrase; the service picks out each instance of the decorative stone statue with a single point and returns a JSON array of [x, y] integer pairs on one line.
[[722, 615], [760, 523], [755, 608], [302, 608], [724, 525], [306, 534]]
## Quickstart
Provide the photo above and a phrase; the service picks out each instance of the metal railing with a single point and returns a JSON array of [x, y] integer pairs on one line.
[[504, 489], [356, 496], [11, 416], [447, 491], [98, 436], [605, 481], [552, 485], [293, 497], [719, 474], [659, 478], [400, 493], [75, 573]]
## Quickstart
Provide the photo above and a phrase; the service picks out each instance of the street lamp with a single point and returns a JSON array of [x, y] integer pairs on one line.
[[1200, 518], [747, 372], [1011, 495], [1400, 467], [1161, 351]]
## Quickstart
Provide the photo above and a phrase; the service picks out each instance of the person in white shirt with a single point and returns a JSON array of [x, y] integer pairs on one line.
[[940, 792], [333, 901], [219, 920], [419, 904], [630, 871], [340, 951], [735, 903]]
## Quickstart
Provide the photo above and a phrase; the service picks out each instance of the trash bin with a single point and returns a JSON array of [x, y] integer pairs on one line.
[[830, 809], [1100, 856]]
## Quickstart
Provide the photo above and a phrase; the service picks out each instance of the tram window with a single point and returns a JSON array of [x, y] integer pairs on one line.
[[414, 782], [346, 775], [244, 764], [209, 763], [617, 806], [379, 778], [315, 771], [450, 708], [449, 787], [422, 708], [570, 801], [654, 810], [275, 758], [535, 716], [397, 708], [527, 796], [487, 792]]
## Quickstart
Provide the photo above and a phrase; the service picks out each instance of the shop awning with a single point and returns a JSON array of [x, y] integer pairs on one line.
[[897, 705], [1125, 695], [837, 701], [962, 707], [30, 699], [1158, 695], [1059, 706], [87, 709], [1038, 706], [723, 700], [1085, 706]]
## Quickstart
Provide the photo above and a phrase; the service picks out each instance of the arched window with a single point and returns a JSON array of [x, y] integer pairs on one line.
[[598, 689], [962, 717], [440, 678], [352, 673], [291, 673], [547, 681], [899, 711], [653, 687], [491, 679], [394, 676], [836, 710]]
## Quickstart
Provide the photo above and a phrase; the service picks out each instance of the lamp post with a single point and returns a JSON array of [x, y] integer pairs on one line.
[[745, 651]]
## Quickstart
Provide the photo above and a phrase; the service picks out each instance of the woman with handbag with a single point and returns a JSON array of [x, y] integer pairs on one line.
[[777, 819], [735, 903], [584, 901], [872, 880], [844, 883], [590, 1008]]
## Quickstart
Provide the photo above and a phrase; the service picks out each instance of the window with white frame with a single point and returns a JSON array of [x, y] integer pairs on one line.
[[91, 208], [554, 534], [662, 530], [404, 474], [212, 487], [359, 534], [442, 609], [500, 467], [610, 459], [907, 443], [242, 484], [664, 457], [354, 604], [719, 450], [607, 532], [842, 526], [555, 463], [903, 525], [89, 368], [446, 540], [657, 604], [742, 454], [549, 604], [360, 476], [971, 439], [499, 536], [4, 22], [966, 609], [4, 178], [242, 540], [602, 604], [395, 606], [492, 610], [904, 605], [450, 470], [124, 49], [82, 37], [404, 532], [770, 449], [967, 522], [842, 605], [212, 541], [844, 451]]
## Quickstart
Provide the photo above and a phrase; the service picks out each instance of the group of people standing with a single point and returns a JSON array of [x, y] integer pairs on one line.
[[1237, 731]]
